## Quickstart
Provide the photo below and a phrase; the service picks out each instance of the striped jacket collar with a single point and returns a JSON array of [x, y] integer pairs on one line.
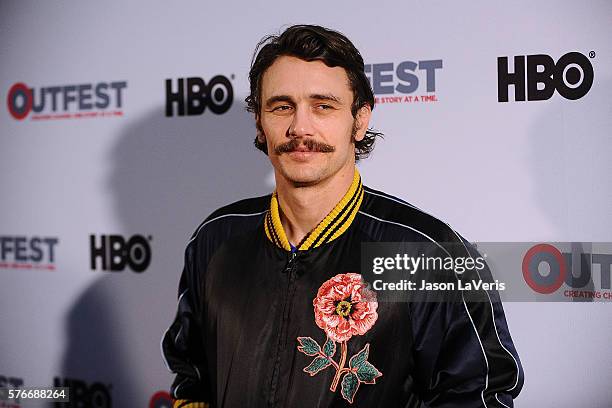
[[331, 227]]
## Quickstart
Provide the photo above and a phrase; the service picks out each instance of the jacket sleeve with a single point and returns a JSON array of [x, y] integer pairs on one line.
[[463, 351], [183, 344]]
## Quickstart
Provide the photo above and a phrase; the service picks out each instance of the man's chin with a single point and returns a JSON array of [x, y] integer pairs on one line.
[[302, 176], [304, 181]]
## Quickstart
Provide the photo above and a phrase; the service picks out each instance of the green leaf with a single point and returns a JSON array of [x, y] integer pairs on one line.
[[309, 346], [329, 348], [318, 364], [367, 373], [350, 384], [358, 359]]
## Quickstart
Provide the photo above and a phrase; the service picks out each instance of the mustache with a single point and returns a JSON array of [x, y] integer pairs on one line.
[[310, 144]]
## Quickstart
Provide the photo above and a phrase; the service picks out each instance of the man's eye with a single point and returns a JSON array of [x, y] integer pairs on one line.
[[281, 108], [324, 107]]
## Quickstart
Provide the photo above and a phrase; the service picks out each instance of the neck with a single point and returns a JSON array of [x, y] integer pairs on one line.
[[302, 208]]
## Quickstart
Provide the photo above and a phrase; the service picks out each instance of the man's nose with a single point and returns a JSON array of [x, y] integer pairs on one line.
[[302, 124]]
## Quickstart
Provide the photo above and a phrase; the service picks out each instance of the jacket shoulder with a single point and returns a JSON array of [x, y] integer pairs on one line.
[[237, 216], [390, 218]]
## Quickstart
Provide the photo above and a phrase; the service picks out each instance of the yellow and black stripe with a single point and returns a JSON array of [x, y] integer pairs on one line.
[[181, 403], [331, 227]]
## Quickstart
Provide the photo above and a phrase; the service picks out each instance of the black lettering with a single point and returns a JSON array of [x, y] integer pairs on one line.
[[84, 97], [220, 94], [605, 261], [379, 78], [545, 77], [5, 246], [177, 97], [139, 253], [430, 68], [103, 99], [54, 90], [577, 90], [197, 96], [51, 242], [99, 397], [68, 93], [584, 276], [16, 382], [79, 395], [20, 249], [405, 73], [98, 252], [40, 105], [506, 78], [118, 87], [37, 254], [116, 252]]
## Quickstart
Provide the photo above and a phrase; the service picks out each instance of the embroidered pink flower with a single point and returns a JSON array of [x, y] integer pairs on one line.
[[345, 307]]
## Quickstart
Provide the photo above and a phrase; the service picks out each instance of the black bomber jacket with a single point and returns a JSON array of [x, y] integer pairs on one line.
[[248, 331]]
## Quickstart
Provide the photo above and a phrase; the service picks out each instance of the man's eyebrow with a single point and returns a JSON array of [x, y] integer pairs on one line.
[[286, 98], [278, 98], [325, 97]]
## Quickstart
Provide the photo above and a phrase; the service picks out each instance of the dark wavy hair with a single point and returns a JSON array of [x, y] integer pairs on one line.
[[314, 43]]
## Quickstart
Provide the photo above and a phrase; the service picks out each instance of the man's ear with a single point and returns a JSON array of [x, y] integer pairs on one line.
[[362, 121], [261, 137]]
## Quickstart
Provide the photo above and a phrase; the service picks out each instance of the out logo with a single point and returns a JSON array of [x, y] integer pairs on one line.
[[192, 95], [19, 100], [536, 77], [161, 399], [559, 266]]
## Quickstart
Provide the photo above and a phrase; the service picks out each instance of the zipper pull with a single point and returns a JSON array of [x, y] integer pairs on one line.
[[291, 262]]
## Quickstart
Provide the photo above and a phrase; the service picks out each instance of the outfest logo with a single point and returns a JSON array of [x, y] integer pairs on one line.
[[545, 269], [162, 399], [25, 252], [86, 100], [404, 82]]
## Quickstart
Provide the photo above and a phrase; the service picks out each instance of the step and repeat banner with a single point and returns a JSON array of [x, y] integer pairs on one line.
[[123, 125]]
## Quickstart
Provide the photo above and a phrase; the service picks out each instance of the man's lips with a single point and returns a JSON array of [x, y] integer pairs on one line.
[[304, 146], [302, 154]]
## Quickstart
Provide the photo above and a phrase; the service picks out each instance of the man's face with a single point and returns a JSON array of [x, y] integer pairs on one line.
[[306, 120]]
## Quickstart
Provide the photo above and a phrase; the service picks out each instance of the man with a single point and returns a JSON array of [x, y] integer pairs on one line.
[[272, 311]]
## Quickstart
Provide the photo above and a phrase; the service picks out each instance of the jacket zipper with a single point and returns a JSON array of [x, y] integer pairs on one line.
[[289, 270]]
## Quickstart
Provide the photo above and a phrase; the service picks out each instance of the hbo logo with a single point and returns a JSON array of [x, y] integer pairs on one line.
[[571, 77], [115, 252], [82, 395], [195, 95]]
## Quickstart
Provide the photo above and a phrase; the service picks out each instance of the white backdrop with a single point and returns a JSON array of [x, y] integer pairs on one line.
[[496, 171]]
